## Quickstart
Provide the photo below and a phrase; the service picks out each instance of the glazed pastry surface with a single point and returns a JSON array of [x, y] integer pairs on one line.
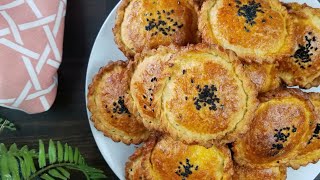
[[246, 173], [265, 76], [281, 127], [254, 29], [147, 24], [310, 153], [168, 159], [301, 65], [208, 97], [107, 106]]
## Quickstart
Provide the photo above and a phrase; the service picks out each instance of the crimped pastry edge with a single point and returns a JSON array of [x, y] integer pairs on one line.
[[243, 125], [279, 93], [282, 170], [228, 163], [209, 38], [139, 58], [105, 128], [119, 19], [295, 13], [313, 156]]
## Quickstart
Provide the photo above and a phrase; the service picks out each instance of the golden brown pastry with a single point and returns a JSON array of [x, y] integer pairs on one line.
[[254, 29], [247, 173], [301, 65], [106, 104], [168, 160], [265, 76], [208, 98], [310, 153], [133, 169], [147, 84], [281, 127], [147, 24]]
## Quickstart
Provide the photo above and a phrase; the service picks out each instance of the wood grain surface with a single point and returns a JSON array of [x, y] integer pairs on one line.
[[67, 119]]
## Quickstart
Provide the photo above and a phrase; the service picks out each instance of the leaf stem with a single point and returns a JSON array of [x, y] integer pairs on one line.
[[69, 165]]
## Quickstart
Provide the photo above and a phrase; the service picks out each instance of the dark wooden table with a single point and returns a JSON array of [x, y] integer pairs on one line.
[[67, 119]]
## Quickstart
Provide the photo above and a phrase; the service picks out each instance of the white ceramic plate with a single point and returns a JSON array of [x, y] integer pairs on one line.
[[116, 154]]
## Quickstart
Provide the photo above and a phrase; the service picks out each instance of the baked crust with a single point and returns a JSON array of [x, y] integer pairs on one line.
[[301, 65], [255, 30], [109, 113], [143, 24], [208, 98], [133, 169], [265, 76], [247, 173], [169, 159], [311, 153], [281, 127], [147, 82]]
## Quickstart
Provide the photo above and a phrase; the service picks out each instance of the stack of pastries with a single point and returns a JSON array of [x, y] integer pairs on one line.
[[205, 88]]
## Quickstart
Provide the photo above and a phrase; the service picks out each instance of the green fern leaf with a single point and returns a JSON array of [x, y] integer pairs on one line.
[[5, 172], [42, 155], [57, 174], [46, 176], [64, 172], [52, 152], [3, 149], [60, 161], [70, 152], [76, 155], [60, 152], [66, 152], [13, 167]]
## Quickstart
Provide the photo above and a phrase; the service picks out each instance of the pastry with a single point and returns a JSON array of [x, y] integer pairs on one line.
[[133, 169], [147, 83], [247, 173], [109, 112], [265, 76], [301, 65], [147, 24], [208, 98], [254, 29], [281, 127], [168, 159], [310, 153]]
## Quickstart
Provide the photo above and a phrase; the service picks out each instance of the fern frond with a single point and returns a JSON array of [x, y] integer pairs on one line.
[[14, 160], [6, 124], [18, 163], [55, 164]]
